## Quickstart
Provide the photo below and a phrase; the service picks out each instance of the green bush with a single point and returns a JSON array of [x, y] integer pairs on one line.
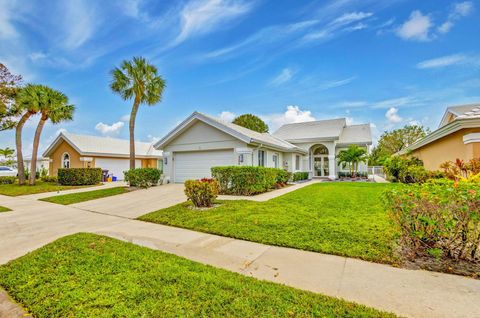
[[283, 177], [396, 165], [413, 174], [48, 178], [299, 176], [347, 174], [7, 180], [79, 176], [142, 177], [202, 192], [246, 180], [439, 218]]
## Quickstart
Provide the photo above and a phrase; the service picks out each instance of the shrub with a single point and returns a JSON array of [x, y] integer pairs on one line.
[[395, 165], [347, 174], [51, 179], [79, 176], [299, 176], [246, 180], [455, 170], [439, 217], [202, 192], [283, 177], [7, 180], [142, 177]]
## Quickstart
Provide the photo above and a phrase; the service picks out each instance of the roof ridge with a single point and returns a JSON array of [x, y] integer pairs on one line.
[[103, 137]]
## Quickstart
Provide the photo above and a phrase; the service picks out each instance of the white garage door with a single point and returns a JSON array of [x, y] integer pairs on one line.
[[116, 166], [197, 164]]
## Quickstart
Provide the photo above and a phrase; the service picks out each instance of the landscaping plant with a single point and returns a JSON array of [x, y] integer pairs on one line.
[[352, 157], [458, 169], [7, 180], [299, 176], [202, 192], [47, 178], [246, 180], [79, 176], [142, 177]]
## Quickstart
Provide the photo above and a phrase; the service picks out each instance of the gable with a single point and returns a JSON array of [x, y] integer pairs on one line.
[[200, 132]]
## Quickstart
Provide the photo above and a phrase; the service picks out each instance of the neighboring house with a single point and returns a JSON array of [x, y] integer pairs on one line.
[[82, 151], [458, 136], [201, 142], [42, 163]]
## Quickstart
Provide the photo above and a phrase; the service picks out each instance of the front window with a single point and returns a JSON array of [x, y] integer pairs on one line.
[[297, 162], [66, 160], [261, 158]]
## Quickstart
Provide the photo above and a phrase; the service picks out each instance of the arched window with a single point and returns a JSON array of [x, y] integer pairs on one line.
[[66, 160], [321, 150]]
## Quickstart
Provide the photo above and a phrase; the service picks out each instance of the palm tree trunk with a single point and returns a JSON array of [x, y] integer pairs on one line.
[[133, 115], [18, 144], [36, 142]]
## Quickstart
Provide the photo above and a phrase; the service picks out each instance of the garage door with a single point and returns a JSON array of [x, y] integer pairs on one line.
[[116, 166], [197, 164]]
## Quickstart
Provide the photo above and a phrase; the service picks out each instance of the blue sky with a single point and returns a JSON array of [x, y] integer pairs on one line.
[[388, 63]]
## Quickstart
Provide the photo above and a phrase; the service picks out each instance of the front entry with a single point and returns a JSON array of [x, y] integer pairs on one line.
[[320, 166]]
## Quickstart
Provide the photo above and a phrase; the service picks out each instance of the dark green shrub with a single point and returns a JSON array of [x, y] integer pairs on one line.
[[246, 180], [142, 177], [51, 179], [202, 192], [396, 165], [283, 176], [299, 176], [413, 174], [7, 180], [79, 176], [347, 174], [439, 218]]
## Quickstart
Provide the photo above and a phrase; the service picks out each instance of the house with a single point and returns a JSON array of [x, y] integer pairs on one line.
[[201, 142], [458, 136], [83, 151], [42, 163]]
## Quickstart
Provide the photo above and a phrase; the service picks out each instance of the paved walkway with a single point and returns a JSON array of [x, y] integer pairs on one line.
[[405, 292]]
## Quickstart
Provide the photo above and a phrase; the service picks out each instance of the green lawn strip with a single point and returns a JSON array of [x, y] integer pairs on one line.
[[39, 187], [336, 218], [4, 209], [72, 198], [87, 275]]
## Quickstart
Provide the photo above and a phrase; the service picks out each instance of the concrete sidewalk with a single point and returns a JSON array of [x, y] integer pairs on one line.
[[410, 293]]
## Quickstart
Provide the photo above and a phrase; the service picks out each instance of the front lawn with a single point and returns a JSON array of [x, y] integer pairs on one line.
[[4, 209], [336, 218], [87, 275], [39, 187], [72, 198]]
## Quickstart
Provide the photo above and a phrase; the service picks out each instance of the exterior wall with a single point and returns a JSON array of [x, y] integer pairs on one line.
[[447, 148], [149, 163], [56, 158]]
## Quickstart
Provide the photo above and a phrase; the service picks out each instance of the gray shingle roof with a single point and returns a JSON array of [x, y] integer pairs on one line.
[[466, 111], [321, 129], [356, 134]]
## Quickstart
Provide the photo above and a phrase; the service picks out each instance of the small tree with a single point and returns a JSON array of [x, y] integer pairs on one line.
[[9, 86], [251, 122], [352, 156]]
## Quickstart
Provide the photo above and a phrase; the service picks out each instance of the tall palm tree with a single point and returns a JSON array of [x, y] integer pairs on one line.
[[27, 103], [352, 156], [139, 80], [54, 107], [7, 152]]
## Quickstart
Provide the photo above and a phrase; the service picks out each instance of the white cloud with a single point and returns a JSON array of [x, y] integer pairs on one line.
[[337, 83], [153, 139], [393, 102], [459, 10], [7, 29], [392, 115], [202, 16], [106, 129], [416, 28], [125, 118], [131, 8], [443, 61], [445, 27], [227, 116], [79, 23], [284, 76], [293, 114], [35, 56]]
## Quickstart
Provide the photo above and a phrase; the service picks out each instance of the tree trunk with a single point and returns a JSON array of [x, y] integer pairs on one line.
[[133, 115], [18, 144], [36, 142]]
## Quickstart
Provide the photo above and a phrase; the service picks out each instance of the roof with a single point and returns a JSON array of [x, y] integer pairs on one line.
[[460, 112], [330, 129], [103, 146], [242, 133], [356, 134]]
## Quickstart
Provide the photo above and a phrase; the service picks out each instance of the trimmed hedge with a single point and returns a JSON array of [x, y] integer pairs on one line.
[[7, 180], [142, 177], [347, 174], [79, 176], [247, 180], [299, 176], [51, 179]]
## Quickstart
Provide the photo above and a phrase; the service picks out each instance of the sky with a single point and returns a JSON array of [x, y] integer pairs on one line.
[[387, 63]]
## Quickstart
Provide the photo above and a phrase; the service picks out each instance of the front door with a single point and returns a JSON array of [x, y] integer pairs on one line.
[[320, 166]]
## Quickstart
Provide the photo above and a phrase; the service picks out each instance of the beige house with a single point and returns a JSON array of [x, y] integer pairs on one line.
[[82, 151], [458, 136], [201, 142]]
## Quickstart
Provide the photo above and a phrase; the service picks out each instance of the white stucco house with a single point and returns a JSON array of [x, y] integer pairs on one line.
[[201, 142]]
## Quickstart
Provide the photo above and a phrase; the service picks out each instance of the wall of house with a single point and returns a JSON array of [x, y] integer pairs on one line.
[[447, 148], [149, 163], [56, 158]]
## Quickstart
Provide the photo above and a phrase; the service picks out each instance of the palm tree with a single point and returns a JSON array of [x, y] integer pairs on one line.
[[54, 106], [7, 152], [352, 156], [139, 80], [27, 103]]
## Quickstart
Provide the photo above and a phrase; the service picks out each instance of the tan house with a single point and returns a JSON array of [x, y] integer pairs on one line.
[[82, 151], [457, 137]]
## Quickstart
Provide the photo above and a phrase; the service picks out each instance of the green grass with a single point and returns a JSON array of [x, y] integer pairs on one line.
[[39, 187], [4, 209], [72, 198], [87, 275], [336, 218]]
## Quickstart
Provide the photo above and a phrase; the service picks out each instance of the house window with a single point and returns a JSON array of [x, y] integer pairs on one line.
[[297, 162], [275, 160], [66, 160], [241, 159], [261, 158]]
